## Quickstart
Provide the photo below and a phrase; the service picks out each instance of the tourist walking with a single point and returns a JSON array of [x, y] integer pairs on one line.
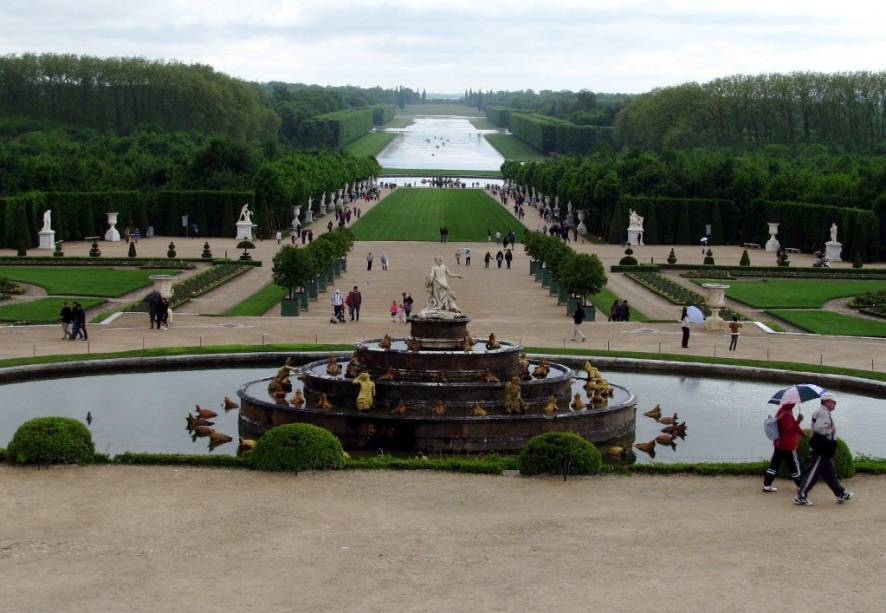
[[822, 447], [613, 311], [385, 260], [338, 306], [487, 258], [499, 258], [369, 261], [509, 256], [785, 446], [578, 317], [407, 304], [734, 327], [67, 316], [394, 308], [458, 256], [79, 320], [467, 256], [684, 326], [357, 302], [279, 237]]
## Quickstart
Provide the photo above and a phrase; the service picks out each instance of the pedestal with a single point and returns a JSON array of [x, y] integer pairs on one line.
[[112, 234], [163, 285], [244, 231], [309, 216], [47, 239], [833, 249], [635, 236], [715, 298]]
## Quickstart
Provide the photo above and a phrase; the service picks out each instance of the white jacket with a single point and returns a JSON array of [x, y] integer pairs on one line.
[[822, 423]]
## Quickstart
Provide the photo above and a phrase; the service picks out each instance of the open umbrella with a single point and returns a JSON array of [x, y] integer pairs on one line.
[[696, 315], [797, 394]]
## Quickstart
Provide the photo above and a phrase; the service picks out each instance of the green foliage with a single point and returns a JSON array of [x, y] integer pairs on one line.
[[499, 116], [672, 257], [583, 274], [297, 447], [51, 440], [170, 251], [512, 148], [709, 258], [548, 134], [783, 260], [792, 293], [628, 259], [674, 292], [294, 268], [41, 311], [383, 113], [180, 459], [131, 251], [94, 251], [207, 252], [828, 322], [487, 464], [370, 144], [744, 261], [417, 214], [82, 281], [857, 260], [558, 453], [23, 239], [335, 130], [258, 303], [843, 461]]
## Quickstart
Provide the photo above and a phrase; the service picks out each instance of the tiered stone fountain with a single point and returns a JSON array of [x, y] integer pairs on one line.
[[438, 390]]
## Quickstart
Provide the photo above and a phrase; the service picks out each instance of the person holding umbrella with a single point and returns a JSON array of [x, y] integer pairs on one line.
[[822, 447], [690, 315], [789, 433]]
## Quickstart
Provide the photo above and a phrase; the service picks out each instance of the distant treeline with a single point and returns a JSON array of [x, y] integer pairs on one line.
[[806, 188], [584, 107], [845, 109], [124, 94]]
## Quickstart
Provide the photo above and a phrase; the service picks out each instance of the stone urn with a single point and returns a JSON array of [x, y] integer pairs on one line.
[[772, 244], [112, 235], [715, 298], [163, 285]]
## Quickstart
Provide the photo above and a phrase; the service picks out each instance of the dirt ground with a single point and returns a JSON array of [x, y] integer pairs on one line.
[[166, 539]]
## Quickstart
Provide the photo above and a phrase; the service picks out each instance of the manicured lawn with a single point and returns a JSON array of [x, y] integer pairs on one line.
[[75, 281], [512, 148], [828, 322], [398, 123], [425, 172], [603, 301], [370, 144], [44, 310], [793, 293], [416, 214], [481, 123], [260, 302]]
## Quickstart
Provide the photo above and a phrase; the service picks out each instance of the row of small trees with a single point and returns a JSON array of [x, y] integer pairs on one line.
[[581, 273], [295, 268]]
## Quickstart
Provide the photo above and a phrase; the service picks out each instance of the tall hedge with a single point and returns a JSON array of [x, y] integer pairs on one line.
[[498, 115], [673, 225], [383, 113], [335, 130], [549, 134]]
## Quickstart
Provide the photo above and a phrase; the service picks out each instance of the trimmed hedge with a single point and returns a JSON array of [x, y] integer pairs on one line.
[[682, 221], [383, 113], [51, 440], [549, 134], [557, 453], [335, 130], [296, 447], [498, 115]]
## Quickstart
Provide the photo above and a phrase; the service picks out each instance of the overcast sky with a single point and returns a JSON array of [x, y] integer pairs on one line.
[[451, 45]]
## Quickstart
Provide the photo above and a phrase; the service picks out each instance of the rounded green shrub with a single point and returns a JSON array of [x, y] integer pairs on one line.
[[672, 257], [170, 253], [709, 258], [51, 440], [132, 252], [628, 259], [556, 452], [843, 461], [297, 447]]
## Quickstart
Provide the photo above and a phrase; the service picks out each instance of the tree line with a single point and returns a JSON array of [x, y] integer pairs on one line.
[[846, 109]]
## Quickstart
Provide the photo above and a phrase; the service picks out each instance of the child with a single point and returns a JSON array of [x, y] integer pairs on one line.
[[401, 314], [394, 311]]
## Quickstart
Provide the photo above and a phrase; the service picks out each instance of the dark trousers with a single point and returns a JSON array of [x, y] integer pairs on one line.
[[779, 456], [820, 466], [685, 338], [356, 312], [733, 342], [369, 265]]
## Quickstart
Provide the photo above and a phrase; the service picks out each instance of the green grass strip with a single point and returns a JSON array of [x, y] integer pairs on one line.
[[370, 145], [436, 172], [42, 310], [83, 281], [512, 148], [416, 214], [792, 293], [603, 301], [258, 303], [481, 123], [828, 322]]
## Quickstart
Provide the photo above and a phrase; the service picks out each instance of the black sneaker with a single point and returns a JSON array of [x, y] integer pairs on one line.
[[802, 501], [844, 497]]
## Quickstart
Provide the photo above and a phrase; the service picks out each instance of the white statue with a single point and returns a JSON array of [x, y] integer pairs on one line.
[[441, 300], [47, 220], [245, 214], [636, 221], [833, 231]]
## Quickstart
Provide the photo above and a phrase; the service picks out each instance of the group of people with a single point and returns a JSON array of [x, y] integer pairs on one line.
[[159, 314], [502, 256], [385, 260], [353, 301], [73, 322], [620, 311], [509, 238], [822, 448], [401, 311]]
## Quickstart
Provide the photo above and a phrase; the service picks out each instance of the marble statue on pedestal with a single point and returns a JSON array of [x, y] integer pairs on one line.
[[834, 248], [441, 300], [47, 234]]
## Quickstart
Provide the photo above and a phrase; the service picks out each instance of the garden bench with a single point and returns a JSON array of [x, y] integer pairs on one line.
[[792, 250], [751, 245]]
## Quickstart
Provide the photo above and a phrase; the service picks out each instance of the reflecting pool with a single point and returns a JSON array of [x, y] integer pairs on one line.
[[441, 142]]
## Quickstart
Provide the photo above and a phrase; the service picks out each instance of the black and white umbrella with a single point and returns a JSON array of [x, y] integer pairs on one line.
[[797, 394]]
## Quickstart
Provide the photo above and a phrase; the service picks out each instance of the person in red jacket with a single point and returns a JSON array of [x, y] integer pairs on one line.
[[789, 433]]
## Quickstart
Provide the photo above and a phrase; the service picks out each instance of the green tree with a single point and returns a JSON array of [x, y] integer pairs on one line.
[[294, 268]]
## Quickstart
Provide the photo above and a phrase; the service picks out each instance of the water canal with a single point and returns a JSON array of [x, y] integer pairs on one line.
[[440, 142]]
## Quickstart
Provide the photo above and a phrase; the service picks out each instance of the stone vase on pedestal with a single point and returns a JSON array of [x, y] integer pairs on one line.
[[581, 222], [244, 231], [715, 298], [112, 234], [772, 244], [834, 251], [47, 239], [163, 285]]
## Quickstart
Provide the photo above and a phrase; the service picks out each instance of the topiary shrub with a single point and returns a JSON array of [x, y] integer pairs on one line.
[[672, 257], [843, 461], [857, 261], [207, 252], [783, 260], [170, 253], [558, 452], [628, 259], [745, 259], [297, 447], [94, 251], [131, 252], [58, 252], [709, 258], [51, 440]]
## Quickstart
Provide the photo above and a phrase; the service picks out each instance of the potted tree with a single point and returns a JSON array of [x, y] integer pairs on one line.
[[294, 269], [584, 275], [245, 246]]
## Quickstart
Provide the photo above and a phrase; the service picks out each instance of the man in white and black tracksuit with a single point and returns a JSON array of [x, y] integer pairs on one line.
[[822, 447]]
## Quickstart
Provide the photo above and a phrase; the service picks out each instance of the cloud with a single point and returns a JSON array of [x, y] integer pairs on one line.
[[605, 45]]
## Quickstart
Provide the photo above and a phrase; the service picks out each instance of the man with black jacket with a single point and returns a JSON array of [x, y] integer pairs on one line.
[[577, 318], [822, 447], [67, 315]]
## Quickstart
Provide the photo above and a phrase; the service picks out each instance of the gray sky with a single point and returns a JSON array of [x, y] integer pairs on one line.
[[451, 45]]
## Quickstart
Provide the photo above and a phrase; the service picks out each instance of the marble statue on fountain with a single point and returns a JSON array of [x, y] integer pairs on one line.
[[441, 301]]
